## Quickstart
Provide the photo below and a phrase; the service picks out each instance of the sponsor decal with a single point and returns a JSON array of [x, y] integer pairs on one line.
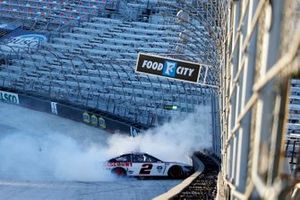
[[168, 67], [25, 41], [159, 169], [119, 164], [54, 107], [86, 117], [94, 120], [9, 97], [102, 123]]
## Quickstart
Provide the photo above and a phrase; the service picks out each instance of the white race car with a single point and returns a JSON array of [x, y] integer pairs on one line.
[[145, 165]]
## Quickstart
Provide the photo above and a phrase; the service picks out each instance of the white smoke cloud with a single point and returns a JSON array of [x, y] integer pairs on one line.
[[38, 146], [173, 141], [50, 157]]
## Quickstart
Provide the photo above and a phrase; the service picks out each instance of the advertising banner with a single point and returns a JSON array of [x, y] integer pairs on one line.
[[168, 67], [21, 40], [9, 97], [54, 108], [94, 120]]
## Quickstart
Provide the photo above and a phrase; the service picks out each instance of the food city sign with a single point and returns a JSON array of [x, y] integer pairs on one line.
[[168, 67]]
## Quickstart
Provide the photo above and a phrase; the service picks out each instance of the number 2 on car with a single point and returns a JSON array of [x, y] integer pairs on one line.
[[146, 169]]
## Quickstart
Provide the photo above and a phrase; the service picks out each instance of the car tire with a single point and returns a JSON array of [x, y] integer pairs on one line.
[[120, 172], [175, 172]]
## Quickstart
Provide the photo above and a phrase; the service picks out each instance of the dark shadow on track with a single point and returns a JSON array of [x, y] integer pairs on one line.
[[205, 185]]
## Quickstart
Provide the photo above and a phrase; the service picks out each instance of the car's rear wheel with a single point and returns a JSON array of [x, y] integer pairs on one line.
[[120, 172], [175, 172]]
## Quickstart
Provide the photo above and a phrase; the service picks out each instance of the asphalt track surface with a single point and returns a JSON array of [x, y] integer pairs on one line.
[[125, 189], [36, 184]]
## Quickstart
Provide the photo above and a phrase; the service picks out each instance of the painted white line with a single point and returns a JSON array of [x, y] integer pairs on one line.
[[186, 182], [178, 188]]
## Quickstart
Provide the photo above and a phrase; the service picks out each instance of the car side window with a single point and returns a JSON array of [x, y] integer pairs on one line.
[[138, 158], [124, 158], [149, 158]]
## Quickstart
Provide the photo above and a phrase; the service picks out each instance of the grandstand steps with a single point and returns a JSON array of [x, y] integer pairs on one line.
[[93, 65], [92, 43], [19, 83], [117, 30], [107, 35], [87, 45], [77, 51], [125, 25]]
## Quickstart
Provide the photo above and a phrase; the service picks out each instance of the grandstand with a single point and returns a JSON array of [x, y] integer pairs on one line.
[[83, 53], [89, 56], [293, 126], [294, 110]]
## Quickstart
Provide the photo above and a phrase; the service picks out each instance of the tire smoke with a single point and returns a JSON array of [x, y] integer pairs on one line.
[[173, 141], [35, 146], [50, 157]]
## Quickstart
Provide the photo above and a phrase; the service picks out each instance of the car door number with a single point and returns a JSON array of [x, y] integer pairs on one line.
[[146, 169]]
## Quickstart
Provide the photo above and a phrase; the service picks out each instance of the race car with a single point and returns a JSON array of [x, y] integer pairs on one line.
[[145, 165]]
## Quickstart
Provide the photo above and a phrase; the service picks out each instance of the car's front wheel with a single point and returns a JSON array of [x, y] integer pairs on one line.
[[175, 172], [120, 172]]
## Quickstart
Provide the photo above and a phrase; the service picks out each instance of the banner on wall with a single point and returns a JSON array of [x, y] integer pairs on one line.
[[94, 120], [9, 97], [54, 108], [21, 40]]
